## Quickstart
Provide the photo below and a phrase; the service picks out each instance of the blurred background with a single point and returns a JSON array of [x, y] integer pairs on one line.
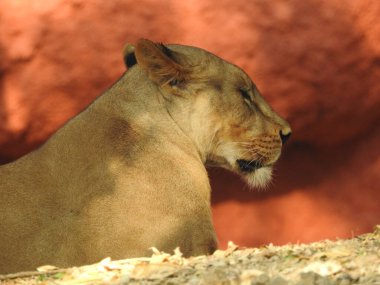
[[316, 62]]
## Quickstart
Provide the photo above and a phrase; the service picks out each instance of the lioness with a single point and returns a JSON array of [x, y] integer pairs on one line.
[[128, 173]]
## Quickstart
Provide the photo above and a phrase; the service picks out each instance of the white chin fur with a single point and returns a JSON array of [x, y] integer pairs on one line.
[[260, 178]]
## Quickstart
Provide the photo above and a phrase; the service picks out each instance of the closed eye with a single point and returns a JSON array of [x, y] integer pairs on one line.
[[245, 94]]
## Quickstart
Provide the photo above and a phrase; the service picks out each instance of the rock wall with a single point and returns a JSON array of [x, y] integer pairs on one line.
[[317, 62]]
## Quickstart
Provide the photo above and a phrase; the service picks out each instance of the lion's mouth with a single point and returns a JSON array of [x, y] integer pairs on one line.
[[249, 165]]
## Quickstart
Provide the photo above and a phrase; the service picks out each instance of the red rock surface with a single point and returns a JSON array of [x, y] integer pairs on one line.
[[317, 62]]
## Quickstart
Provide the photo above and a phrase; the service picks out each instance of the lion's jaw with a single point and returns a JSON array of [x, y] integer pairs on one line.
[[241, 158]]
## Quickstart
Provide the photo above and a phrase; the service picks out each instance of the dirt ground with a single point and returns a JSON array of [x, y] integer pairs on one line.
[[340, 262]]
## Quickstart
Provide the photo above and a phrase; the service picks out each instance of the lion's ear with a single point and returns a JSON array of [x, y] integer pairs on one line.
[[129, 55], [159, 62]]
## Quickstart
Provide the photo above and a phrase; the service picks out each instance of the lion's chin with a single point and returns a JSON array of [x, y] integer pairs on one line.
[[259, 178]]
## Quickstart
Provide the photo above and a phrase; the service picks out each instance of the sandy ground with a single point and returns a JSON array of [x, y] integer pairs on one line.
[[340, 262]]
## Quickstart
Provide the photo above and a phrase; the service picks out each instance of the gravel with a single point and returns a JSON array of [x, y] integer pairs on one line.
[[339, 262]]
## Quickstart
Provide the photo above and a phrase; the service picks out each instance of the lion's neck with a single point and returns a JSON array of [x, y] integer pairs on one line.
[[127, 121]]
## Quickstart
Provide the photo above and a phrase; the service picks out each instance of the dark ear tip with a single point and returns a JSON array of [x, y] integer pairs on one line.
[[129, 55]]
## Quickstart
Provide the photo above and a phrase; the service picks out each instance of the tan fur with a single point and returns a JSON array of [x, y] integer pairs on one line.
[[128, 172]]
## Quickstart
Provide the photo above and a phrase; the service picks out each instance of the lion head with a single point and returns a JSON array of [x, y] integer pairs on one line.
[[217, 106]]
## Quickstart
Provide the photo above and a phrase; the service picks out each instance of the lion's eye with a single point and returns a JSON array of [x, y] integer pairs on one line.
[[245, 94]]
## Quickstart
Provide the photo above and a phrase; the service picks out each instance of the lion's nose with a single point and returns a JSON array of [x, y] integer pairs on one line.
[[285, 135]]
